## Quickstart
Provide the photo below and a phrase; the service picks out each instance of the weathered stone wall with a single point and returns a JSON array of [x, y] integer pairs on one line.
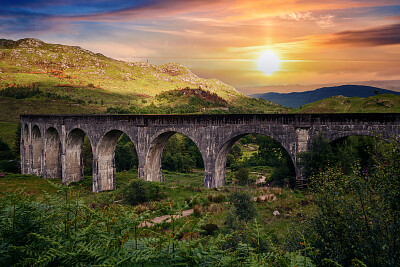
[[51, 145]]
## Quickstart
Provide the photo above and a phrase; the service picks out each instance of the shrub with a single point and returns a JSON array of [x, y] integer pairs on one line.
[[218, 198], [9, 166], [139, 191], [358, 215], [210, 228], [244, 206], [242, 175], [197, 210], [20, 92]]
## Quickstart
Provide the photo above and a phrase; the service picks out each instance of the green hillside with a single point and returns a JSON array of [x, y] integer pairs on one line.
[[69, 72], [385, 103], [28, 61], [42, 78]]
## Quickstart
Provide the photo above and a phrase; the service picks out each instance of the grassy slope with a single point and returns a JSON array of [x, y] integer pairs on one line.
[[293, 206], [12, 108], [339, 104], [100, 81], [29, 60]]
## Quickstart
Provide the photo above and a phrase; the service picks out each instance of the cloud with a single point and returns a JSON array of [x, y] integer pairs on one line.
[[323, 20], [377, 36]]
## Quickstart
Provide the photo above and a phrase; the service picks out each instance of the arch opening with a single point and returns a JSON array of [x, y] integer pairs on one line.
[[37, 151], [344, 153], [126, 158], [52, 154], [116, 152], [254, 159], [171, 153], [358, 150], [75, 156]]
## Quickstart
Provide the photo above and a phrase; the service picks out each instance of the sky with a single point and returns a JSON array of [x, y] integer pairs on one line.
[[316, 41]]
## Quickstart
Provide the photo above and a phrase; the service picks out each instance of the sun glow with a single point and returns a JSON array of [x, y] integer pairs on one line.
[[268, 62]]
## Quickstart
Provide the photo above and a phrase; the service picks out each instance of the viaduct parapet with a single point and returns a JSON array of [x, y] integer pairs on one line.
[[51, 145]]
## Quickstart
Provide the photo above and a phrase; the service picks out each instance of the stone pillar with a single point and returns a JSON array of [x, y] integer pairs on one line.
[[141, 150], [23, 149], [63, 139], [96, 187], [210, 179], [301, 146], [28, 151]]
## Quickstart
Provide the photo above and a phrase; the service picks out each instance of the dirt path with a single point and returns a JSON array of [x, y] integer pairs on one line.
[[166, 218]]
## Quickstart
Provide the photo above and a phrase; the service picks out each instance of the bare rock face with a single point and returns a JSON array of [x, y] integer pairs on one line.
[[22, 43], [4, 43], [172, 69], [30, 43]]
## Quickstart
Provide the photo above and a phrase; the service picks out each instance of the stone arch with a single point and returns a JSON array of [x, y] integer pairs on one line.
[[340, 135], [152, 169], [219, 177], [52, 153], [74, 156], [25, 155], [37, 151], [105, 152]]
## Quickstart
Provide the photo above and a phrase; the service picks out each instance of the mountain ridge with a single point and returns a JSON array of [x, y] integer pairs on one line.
[[380, 103], [297, 99]]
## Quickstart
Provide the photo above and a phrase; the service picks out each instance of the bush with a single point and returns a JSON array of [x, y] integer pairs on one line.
[[9, 166], [242, 175], [197, 210], [5, 151], [139, 191], [243, 205], [210, 228], [358, 215], [218, 198], [20, 92]]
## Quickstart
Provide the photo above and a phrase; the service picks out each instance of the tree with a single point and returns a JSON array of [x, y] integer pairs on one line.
[[5, 151], [87, 157], [7, 162], [318, 158], [125, 154], [344, 153], [358, 215], [242, 210], [236, 152]]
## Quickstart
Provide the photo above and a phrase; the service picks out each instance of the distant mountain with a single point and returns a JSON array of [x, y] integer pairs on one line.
[[297, 99], [382, 103]]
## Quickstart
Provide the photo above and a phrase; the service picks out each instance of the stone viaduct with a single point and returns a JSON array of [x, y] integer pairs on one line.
[[51, 145]]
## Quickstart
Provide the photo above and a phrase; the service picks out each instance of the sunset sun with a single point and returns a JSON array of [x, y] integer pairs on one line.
[[268, 62]]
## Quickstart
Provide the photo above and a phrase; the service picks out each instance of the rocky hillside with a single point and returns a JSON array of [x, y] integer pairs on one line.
[[31, 60], [41, 78]]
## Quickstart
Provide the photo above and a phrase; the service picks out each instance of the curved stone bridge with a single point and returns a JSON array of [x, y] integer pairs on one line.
[[51, 145]]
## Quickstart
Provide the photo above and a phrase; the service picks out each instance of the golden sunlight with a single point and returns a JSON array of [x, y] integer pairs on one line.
[[268, 62]]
